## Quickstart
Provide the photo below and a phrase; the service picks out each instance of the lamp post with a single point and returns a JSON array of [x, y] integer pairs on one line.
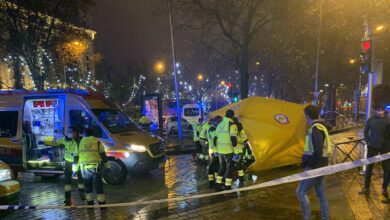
[[175, 72], [316, 93]]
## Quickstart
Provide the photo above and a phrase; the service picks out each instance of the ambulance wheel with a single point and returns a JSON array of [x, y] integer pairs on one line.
[[117, 174]]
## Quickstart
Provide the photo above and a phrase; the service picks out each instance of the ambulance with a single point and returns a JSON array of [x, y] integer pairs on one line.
[[30, 119]]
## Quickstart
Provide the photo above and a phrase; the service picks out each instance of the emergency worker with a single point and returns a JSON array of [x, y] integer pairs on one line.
[[226, 140], [70, 143], [214, 157], [196, 128], [315, 156], [242, 140], [204, 156], [90, 158]]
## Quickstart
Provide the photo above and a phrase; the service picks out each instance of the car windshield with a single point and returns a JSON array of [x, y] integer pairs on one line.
[[191, 111], [115, 121]]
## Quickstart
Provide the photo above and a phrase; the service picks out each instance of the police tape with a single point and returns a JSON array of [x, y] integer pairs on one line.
[[288, 179]]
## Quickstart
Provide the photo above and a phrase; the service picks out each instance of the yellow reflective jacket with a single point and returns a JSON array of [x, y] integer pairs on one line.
[[70, 147], [211, 134], [308, 148], [89, 151], [204, 130], [225, 130], [241, 140], [196, 128]]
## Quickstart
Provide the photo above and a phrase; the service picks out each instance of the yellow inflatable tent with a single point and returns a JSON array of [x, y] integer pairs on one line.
[[276, 130]]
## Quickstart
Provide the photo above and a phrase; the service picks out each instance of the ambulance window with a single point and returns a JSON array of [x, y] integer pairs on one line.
[[82, 120], [8, 123]]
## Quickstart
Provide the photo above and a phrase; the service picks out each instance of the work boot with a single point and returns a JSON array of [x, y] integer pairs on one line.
[[218, 187], [364, 191], [82, 194], [241, 181], [67, 201], [211, 184]]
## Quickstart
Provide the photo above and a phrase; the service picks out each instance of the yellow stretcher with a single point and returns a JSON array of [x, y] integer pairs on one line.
[[276, 130]]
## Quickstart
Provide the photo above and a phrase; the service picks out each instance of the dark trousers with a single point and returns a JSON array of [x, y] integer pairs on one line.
[[199, 147], [371, 152], [68, 177], [213, 165], [226, 166], [92, 177]]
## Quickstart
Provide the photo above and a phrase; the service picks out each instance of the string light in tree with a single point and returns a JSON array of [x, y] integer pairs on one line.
[[134, 89]]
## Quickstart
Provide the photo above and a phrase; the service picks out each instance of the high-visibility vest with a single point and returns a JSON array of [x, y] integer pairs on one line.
[[241, 140], [196, 127], [70, 147], [225, 130], [211, 134], [89, 151], [308, 148], [204, 130]]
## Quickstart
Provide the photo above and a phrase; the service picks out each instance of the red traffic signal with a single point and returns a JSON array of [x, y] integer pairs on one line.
[[366, 45], [229, 84]]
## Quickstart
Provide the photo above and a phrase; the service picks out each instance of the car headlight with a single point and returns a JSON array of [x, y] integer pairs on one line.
[[138, 148], [5, 175]]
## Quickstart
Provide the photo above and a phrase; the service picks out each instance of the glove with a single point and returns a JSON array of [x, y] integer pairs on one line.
[[236, 158]]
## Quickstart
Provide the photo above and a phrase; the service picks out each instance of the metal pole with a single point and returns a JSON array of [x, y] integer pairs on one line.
[[318, 57], [370, 81], [175, 72]]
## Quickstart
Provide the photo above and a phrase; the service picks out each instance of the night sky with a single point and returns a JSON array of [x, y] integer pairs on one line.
[[130, 31]]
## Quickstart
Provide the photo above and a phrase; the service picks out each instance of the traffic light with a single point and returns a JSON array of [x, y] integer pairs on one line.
[[235, 96], [365, 56], [230, 89]]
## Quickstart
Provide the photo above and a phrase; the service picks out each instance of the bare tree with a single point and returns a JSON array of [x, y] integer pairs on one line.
[[33, 27]]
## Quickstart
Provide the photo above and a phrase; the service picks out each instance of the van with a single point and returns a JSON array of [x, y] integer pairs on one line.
[[191, 113], [30, 119]]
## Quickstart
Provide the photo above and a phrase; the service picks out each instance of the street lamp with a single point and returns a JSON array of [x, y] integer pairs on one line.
[[200, 76], [352, 61], [379, 28], [159, 67], [222, 83], [257, 63]]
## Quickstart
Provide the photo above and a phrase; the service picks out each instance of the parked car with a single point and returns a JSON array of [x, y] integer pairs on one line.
[[171, 126], [9, 186]]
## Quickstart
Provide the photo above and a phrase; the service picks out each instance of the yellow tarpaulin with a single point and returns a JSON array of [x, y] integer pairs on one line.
[[276, 130]]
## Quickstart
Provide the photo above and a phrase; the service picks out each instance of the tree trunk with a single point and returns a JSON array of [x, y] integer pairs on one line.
[[17, 73], [244, 74]]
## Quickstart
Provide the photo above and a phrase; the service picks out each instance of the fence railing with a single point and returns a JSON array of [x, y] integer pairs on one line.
[[348, 151], [344, 122]]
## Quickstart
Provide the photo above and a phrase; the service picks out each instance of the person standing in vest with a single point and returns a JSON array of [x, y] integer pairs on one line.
[[90, 158], [242, 139], [374, 135], [204, 155], [214, 157], [315, 156], [226, 140], [70, 143], [196, 128]]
